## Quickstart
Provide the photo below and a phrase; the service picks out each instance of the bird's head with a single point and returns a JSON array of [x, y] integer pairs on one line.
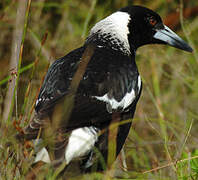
[[146, 27], [132, 27]]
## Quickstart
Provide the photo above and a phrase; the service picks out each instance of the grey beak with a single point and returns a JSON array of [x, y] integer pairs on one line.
[[167, 36]]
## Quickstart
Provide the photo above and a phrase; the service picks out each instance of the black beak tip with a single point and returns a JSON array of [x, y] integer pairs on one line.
[[189, 49], [185, 46], [181, 44]]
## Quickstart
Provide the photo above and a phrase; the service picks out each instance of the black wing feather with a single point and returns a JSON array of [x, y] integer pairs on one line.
[[108, 71]]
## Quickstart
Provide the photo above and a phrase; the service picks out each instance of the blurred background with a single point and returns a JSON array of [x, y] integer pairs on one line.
[[163, 141]]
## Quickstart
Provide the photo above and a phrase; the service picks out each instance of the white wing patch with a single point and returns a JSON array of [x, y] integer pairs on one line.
[[124, 103], [81, 141]]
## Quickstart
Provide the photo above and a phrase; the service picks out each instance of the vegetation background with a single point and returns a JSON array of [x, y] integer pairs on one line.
[[163, 141]]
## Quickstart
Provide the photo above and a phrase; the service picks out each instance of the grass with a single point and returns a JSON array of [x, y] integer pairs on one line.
[[162, 143]]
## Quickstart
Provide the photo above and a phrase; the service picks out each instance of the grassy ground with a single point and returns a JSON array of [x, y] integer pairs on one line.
[[162, 143]]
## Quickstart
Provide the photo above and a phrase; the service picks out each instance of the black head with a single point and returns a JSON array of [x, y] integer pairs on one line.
[[146, 27]]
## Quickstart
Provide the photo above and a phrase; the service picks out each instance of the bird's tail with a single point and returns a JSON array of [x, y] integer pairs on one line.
[[39, 129]]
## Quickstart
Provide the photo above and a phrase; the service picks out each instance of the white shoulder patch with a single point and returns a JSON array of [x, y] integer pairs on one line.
[[139, 83], [124, 103], [81, 141]]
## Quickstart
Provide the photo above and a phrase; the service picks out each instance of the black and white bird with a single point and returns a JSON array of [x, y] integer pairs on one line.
[[110, 85]]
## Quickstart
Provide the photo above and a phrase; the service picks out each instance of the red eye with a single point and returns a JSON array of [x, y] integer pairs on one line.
[[152, 22]]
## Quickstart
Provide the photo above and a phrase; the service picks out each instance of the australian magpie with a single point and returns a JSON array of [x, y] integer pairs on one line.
[[110, 87]]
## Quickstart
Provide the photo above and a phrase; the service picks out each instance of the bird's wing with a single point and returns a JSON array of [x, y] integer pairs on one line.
[[106, 86], [57, 81]]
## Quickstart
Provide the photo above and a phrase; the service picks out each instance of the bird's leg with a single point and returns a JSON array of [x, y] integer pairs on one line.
[[113, 131]]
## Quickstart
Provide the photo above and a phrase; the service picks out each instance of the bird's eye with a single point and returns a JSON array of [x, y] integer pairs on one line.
[[152, 21]]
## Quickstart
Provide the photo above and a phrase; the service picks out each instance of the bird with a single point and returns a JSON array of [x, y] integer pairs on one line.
[[109, 88]]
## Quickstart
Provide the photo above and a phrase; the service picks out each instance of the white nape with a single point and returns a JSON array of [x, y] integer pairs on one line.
[[81, 141], [115, 25], [42, 155]]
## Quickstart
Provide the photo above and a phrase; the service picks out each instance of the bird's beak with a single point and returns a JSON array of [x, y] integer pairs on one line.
[[167, 36]]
